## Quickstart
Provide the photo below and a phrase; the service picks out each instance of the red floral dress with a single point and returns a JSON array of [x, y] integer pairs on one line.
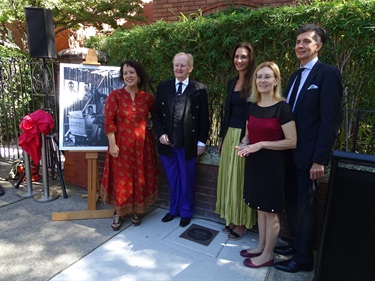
[[129, 182]]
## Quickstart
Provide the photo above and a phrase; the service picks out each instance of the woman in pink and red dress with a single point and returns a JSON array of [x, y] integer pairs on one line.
[[270, 129]]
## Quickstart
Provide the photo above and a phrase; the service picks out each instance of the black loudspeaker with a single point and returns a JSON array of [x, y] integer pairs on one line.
[[40, 33], [347, 244]]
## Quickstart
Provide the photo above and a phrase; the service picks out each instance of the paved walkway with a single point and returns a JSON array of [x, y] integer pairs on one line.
[[33, 247]]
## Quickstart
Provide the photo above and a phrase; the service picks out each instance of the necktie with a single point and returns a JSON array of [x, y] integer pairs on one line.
[[293, 95], [179, 90]]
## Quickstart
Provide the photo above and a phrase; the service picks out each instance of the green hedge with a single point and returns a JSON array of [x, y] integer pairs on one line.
[[211, 39], [350, 47]]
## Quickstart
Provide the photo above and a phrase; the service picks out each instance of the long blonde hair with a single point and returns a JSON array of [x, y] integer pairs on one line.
[[255, 95]]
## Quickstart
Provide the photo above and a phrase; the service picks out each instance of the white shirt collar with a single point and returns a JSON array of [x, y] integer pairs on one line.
[[185, 82], [310, 64]]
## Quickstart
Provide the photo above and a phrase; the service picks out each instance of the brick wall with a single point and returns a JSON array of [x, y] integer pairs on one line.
[[16, 33], [170, 10], [205, 191], [75, 169], [62, 40]]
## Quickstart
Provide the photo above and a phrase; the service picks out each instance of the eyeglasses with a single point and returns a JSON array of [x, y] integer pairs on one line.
[[266, 77]]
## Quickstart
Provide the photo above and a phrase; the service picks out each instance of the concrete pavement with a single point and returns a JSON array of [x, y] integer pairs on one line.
[[33, 247]]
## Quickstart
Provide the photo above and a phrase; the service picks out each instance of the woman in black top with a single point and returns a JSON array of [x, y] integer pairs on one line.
[[230, 205]]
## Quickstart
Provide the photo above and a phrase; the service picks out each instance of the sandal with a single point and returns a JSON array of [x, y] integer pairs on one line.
[[236, 236], [116, 222], [227, 229], [136, 220]]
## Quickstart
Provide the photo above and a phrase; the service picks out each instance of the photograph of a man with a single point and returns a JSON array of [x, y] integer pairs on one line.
[[72, 87]]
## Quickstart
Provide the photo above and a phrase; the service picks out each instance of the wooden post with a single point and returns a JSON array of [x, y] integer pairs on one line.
[[92, 180]]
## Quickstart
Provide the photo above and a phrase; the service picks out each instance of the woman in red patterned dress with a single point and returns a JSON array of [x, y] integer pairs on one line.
[[130, 177]]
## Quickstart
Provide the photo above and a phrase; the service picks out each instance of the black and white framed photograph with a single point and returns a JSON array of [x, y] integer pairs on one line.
[[83, 92]]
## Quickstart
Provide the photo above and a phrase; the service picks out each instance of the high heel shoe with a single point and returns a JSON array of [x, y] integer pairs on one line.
[[136, 220]]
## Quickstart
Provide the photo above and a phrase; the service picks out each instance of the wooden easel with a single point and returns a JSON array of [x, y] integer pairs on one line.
[[92, 195], [92, 178]]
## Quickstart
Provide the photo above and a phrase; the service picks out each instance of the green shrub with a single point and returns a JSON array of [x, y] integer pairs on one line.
[[211, 39], [350, 26]]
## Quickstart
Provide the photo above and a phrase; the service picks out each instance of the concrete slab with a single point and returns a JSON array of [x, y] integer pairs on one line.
[[154, 251]]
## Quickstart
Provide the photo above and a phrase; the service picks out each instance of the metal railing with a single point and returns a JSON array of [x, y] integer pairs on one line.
[[357, 132], [25, 86]]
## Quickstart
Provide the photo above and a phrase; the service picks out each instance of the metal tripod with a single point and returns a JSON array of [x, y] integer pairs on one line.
[[49, 147], [50, 159]]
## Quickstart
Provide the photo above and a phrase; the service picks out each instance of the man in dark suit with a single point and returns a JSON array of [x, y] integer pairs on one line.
[[316, 106], [181, 122]]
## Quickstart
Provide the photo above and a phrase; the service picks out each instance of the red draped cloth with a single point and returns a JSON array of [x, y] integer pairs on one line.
[[32, 125]]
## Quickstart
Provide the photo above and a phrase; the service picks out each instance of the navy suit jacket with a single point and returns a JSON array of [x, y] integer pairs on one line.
[[196, 116], [317, 115]]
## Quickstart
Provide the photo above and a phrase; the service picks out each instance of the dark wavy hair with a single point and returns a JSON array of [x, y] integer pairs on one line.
[[141, 72], [246, 86], [320, 35]]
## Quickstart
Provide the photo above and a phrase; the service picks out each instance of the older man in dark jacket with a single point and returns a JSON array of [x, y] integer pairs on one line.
[[181, 122]]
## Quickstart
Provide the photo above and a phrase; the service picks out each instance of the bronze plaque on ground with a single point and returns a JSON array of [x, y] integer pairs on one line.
[[199, 234]]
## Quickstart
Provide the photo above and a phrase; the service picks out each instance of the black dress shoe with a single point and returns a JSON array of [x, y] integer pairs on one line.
[[168, 217], [293, 266], [184, 222], [284, 250]]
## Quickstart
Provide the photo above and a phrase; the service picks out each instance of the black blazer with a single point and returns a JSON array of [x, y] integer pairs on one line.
[[317, 115], [225, 121], [196, 116], [227, 111]]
